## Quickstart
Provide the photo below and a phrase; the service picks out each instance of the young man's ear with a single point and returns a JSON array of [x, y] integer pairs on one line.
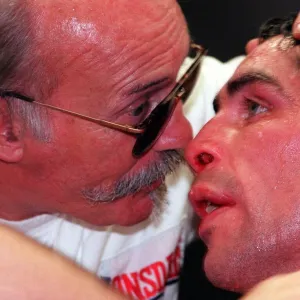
[[11, 144]]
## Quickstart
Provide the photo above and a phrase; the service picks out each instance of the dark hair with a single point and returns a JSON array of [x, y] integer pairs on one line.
[[278, 26]]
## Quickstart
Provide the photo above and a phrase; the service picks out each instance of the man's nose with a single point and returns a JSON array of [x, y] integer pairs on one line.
[[209, 146], [177, 134]]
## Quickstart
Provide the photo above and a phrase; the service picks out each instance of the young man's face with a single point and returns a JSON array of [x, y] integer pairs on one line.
[[115, 63], [248, 167]]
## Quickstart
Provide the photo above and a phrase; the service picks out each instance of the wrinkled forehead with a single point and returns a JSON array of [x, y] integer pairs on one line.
[[104, 23]]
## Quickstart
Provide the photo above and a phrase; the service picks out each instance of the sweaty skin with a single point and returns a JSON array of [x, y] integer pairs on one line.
[[99, 55], [253, 179]]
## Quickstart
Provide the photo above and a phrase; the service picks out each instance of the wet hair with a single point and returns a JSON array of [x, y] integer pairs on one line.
[[19, 69], [278, 26]]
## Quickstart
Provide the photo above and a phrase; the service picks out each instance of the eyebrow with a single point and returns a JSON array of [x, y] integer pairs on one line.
[[236, 85], [143, 87]]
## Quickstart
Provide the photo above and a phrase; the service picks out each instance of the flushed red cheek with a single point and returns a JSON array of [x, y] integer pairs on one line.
[[271, 157]]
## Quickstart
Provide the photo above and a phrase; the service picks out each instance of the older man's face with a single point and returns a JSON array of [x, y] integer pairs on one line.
[[115, 60], [247, 162]]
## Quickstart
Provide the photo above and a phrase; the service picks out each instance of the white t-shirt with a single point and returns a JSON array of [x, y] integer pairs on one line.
[[144, 260]]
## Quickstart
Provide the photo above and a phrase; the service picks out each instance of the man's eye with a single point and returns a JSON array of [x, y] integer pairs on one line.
[[141, 109], [254, 108]]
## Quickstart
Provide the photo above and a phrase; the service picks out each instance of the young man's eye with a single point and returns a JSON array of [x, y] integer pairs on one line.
[[254, 108]]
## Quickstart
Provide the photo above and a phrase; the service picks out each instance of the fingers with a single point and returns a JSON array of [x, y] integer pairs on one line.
[[251, 45], [296, 28], [280, 287]]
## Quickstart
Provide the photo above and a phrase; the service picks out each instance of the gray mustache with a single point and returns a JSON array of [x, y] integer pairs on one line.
[[167, 162]]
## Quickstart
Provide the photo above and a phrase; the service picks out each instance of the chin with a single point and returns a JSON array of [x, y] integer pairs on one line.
[[224, 273], [126, 222], [138, 214], [133, 222], [129, 213]]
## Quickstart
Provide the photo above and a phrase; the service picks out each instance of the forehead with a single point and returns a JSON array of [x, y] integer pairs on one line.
[[110, 37], [276, 58], [79, 17], [109, 26]]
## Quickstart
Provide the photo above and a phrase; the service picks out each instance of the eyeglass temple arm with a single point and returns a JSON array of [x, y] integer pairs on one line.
[[201, 51], [124, 128]]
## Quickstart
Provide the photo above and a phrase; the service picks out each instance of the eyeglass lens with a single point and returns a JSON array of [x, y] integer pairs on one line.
[[158, 119]]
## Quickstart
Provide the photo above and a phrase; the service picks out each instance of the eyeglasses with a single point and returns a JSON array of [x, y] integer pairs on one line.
[[152, 127]]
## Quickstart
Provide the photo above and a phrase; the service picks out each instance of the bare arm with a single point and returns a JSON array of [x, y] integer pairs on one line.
[[280, 287], [31, 271]]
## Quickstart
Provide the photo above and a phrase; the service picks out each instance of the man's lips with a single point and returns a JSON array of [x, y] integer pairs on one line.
[[210, 204], [208, 200], [153, 186]]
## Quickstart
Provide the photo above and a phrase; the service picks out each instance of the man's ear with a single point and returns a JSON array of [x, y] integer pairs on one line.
[[11, 143]]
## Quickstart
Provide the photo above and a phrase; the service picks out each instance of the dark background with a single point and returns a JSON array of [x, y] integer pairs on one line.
[[224, 27]]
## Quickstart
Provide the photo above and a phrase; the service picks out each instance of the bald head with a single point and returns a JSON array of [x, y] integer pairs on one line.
[[44, 42], [68, 30], [76, 40]]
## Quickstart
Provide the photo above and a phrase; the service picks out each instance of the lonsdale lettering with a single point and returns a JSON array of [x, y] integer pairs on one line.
[[151, 280]]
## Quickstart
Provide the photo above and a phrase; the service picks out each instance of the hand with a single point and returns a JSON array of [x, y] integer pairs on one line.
[[296, 28], [252, 44], [280, 287]]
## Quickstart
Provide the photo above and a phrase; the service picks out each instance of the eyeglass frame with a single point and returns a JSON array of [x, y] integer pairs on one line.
[[176, 92]]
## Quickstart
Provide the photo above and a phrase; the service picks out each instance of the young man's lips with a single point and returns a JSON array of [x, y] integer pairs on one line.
[[208, 222], [210, 203], [208, 200]]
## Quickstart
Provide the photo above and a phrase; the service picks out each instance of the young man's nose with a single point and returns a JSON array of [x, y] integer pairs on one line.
[[208, 147], [177, 134]]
